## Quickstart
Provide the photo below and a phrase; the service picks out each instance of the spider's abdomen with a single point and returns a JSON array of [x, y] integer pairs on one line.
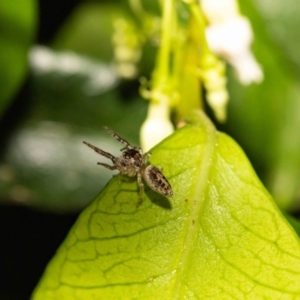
[[157, 181]]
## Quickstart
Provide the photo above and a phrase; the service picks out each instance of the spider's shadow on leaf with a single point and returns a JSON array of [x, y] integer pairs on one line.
[[154, 197], [158, 199]]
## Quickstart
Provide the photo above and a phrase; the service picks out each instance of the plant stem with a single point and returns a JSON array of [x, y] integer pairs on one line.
[[164, 55], [200, 21]]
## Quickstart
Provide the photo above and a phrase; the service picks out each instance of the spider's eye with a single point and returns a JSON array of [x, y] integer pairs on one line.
[[131, 153]]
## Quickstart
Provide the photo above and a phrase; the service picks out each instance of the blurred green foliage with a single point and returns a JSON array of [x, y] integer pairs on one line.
[[18, 21], [46, 164], [89, 30], [268, 113]]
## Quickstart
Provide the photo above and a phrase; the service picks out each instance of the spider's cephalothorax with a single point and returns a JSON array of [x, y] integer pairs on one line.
[[133, 162]]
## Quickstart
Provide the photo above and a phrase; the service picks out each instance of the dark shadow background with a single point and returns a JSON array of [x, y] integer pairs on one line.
[[29, 238]]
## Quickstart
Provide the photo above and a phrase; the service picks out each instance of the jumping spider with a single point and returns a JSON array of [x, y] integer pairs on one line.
[[133, 162]]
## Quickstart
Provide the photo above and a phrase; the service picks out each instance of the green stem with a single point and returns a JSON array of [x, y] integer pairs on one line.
[[200, 21], [163, 61]]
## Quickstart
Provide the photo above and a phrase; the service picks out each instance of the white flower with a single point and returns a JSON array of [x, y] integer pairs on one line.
[[215, 84], [218, 100], [156, 127], [229, 35], [218, 11]]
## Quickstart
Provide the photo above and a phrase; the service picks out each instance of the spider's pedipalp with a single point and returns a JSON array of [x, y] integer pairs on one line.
[[117, 137]]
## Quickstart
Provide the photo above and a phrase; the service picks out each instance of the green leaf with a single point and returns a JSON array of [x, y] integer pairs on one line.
[[17, 28], [220, 237]]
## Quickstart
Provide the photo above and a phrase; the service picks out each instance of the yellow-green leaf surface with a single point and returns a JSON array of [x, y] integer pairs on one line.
[[220, 237]]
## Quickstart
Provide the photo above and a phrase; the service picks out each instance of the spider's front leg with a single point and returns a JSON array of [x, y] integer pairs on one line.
[[118, 138], [101, 152], [107, 166]]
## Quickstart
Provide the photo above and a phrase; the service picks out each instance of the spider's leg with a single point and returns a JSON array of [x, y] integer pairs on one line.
[[107, 166], [146, 157], [141, 187], [101, 152], [117, 137]]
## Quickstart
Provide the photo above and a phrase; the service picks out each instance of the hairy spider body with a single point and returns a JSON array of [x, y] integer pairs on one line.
[[130, 162], [133, 162]]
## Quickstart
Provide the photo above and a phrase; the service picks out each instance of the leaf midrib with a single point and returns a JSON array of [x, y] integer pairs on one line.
[[200, 183]]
